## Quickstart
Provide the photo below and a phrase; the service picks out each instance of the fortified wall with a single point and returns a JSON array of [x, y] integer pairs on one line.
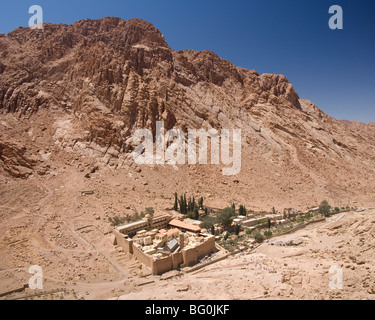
[[190, 247]]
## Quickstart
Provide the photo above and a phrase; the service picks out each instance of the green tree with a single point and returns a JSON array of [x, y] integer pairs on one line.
[[325, 208], [115, 221], [237, 229], [268, 234], [150, 211], [213, 230], [189, 206], [225, 217], [208, 222], [175, 206], [200, 202], [183, 206], [196, 213], [185, 202], [181, 201], [242, 211], [259, 237]]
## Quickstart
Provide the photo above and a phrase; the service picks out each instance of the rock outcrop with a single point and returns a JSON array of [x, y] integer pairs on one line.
[[16, 161]]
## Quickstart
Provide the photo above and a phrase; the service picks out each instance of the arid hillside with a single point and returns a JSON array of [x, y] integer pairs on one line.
[[366, 129], [80, 91]]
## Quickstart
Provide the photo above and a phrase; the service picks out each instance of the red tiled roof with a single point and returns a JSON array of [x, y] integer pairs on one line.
[[189, 227]]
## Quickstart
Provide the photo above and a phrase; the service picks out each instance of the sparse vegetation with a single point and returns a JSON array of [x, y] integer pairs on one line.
[[117, 221], [190, 215], [150, 211], [208, 222], [259, 237], [325, 208], [268, 233]]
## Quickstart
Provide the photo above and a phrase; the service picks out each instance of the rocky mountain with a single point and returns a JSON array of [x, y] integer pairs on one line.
[[77, 93], [366, 129]]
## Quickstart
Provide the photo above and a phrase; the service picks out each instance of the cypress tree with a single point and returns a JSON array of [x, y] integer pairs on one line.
[[237, 229], [175, 206], [189, 205], [201, 202], [196, 213], [185, 204], [213, 229], [182, 205], [242, 210]]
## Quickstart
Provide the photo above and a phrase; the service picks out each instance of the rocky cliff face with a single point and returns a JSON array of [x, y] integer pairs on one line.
[[100, 80], [115, 76]]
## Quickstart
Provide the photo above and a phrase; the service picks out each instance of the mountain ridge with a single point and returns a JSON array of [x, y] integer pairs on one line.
[[97, 81]]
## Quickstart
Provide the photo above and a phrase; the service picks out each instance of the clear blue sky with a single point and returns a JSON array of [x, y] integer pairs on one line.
[[334, 69]]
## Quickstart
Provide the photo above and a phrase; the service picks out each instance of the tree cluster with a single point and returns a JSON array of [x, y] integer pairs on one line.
[[188, 206]]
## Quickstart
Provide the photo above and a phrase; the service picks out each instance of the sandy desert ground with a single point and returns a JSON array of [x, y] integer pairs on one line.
[[96, 269], [283, 272]]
